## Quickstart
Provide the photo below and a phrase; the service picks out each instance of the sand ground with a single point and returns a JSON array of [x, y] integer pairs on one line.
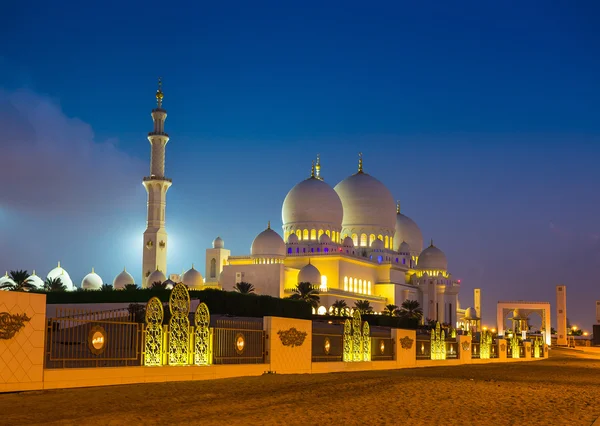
[[563, 390]]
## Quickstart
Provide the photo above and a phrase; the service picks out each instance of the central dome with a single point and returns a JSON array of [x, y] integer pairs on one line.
[[312, 201], [366, 202]]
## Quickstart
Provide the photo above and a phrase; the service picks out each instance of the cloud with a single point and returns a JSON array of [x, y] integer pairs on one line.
[[52, 164]]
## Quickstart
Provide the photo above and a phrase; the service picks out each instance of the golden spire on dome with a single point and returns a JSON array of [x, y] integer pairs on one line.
[[318, 167], [360, 163], [431, 242], [269, 225], [398, 206], [159, 93], [312, 170]]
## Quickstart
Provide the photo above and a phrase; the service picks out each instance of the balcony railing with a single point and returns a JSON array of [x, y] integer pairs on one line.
[[147, 178]]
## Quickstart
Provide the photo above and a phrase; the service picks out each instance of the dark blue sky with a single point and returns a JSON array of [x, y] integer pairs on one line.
[[482, 119]]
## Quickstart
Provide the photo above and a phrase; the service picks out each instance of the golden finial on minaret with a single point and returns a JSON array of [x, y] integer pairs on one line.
[[159, 93], [360, 163], [398, 207], [312, 170]]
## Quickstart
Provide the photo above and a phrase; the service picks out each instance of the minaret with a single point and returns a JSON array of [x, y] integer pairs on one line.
[[155, 236]]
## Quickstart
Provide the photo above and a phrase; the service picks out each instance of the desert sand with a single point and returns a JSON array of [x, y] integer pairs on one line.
[[563, 390]]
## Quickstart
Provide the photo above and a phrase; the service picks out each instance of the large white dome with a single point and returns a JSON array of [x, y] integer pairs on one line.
[[432, 258], [92, 281], [193, 279], [367, 203], [268, 244], [309, 274], [407, 230], [312, 201], [122, 280], [6, 280], [36, 281], [59, 272], [156, 276]]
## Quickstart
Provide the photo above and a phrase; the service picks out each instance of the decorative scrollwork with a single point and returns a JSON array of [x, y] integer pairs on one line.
[[438, 343], [11, 324], [466, 345], [153, 342], [179, 325], [356, 337], [202, 335], [292, 337], [502, 347], [366, 341], [347, 341], [406, 342], [485, 350]]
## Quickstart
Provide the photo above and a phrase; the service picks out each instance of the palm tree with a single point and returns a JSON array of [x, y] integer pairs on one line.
[[390, 310], [157, 285], [339, 307], [131, 287], [54, 284], [363, 306], [107, 287], [411, 309], [244, 287], [21, 281], [306, 292]]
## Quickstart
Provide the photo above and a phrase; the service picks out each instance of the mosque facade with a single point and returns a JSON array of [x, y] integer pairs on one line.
[[350, 241]]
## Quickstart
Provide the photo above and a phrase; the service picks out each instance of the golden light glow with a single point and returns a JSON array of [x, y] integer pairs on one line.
[[382, 347], [239, 343], [327, 346]]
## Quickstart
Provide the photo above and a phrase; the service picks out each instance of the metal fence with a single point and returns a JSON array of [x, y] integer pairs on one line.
[[423, 348], [78, 338], [452, 347], [238, 341], [327, 342]]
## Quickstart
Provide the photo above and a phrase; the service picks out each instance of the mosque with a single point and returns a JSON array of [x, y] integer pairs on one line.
[[351, 241]]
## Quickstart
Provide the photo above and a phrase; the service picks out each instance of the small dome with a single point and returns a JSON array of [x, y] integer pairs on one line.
[[407, 231], [59, 272], [348, 242], [377, 245], [92, 281], [193, 279], [367, 203], [432, 258], [471, 313], [312, 201], [169, 284], [309, 274], [268, 243], [36, 281], [325, 239], [218, 243], [6, 280], [156, 276], [293, 239], [122, 280], [404, 247]]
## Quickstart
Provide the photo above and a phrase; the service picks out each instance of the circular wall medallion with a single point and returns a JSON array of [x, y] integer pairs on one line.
[[240, 343], [382, 346], [97, 340], [327, 346]]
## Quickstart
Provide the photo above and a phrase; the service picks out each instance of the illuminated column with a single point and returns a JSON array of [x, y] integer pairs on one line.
[[598, 311], [477, 305], [432, 301], [561, 315], [157, 185]]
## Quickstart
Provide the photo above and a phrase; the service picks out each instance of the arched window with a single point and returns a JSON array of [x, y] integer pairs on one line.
[[323, 283], [387, 242], [313, 234], [299, 234], [355, 239], [320, 233], [289, 250], [391, 243], [312, 249], [380, 237], [326, 250], [213, 268], [360, 286], [345, 283], [322, 310], [363, 240], [371, 239], [318, 249], [355, 285], [379, 259], [328, 233], [297, 249], [369, 287], [305, 234]]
